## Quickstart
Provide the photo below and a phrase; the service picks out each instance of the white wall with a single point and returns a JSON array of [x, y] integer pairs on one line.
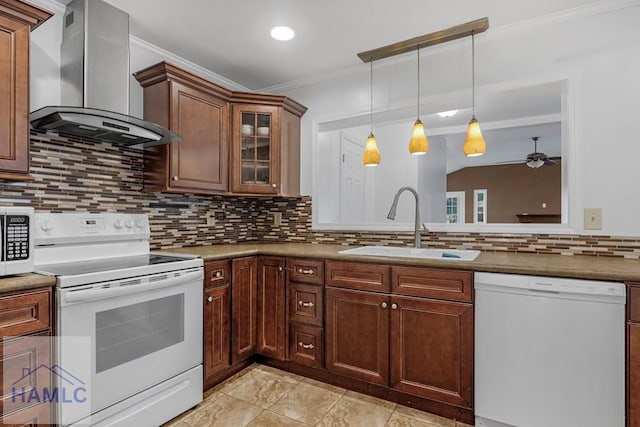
[[597, 46]]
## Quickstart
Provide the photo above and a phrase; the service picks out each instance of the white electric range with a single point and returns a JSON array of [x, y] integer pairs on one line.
[[141, 312]]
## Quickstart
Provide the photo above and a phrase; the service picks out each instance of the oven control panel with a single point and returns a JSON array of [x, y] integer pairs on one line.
[[55, 228]]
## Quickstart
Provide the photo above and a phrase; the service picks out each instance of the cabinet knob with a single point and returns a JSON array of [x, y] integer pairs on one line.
[[305, 346], [394, 306], [305, 304], [210, 299], [383, 305], [280, 268], [218, 274], [274, 185], [175, 177]]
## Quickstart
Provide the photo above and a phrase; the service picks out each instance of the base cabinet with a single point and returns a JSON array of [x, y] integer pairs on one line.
[[271, 320], [357, 341], [244, 288], [431, 349], [217, 327], [633, 355]]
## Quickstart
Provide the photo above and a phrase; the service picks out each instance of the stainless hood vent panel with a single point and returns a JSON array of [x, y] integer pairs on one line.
[[95, 79], [102, 125]]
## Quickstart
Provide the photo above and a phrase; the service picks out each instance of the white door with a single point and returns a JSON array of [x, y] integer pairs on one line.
[[351, 180]]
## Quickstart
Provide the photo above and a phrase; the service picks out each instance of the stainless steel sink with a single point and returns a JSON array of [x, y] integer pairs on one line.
[[407, 252]]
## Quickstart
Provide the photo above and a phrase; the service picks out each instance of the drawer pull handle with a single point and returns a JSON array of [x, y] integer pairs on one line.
[[216, 275], [305, 346], [306, 271], [305, 304], [210, 299], [394, 306], [383, 305]]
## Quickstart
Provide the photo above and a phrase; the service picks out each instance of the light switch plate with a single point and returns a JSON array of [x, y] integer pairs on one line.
[[592, 218], [277, 219]]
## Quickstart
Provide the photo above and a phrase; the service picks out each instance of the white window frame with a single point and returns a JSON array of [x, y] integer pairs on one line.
[[461, 213], [480, 204]]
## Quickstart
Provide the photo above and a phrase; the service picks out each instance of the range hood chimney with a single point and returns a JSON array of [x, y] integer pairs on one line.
[[95, 81]]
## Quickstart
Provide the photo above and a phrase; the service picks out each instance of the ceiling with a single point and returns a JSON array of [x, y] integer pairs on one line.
[[231, 38]]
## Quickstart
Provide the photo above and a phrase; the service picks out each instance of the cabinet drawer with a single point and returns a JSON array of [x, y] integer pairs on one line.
[[306, 270], [305, 345], [305, 303], [25, 312], [366, 277], [32, 353], [633, 302], [425, 282], [217, 273]]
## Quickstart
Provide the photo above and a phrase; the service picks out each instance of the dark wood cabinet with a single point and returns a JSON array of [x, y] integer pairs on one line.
[[217, 329], [357, 334], [271, 320], [431, 349], [198, 111], [633, 354], [306, 345], [243, 312], [17, 19], [352, 275], [305, 303], [265, 148], [26, 316]]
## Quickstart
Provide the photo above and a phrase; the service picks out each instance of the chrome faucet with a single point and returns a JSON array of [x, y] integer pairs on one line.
[[419, 230]]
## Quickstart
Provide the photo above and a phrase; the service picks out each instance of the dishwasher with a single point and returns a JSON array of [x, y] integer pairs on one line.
[[549, 352]]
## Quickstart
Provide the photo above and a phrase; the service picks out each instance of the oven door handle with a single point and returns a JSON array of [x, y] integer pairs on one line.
[[85, 295]]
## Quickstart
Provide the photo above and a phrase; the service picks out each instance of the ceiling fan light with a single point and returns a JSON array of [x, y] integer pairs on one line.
[[474, 144], [418, 144], [371, 155], [535, 164]]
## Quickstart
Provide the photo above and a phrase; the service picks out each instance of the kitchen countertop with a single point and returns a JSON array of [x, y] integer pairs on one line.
[[580, 267], [21, 282]]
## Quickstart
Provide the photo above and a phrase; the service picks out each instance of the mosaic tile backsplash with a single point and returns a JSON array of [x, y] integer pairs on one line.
[[72, 174]]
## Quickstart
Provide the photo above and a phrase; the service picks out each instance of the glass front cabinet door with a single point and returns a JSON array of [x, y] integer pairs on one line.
[[256, 149]]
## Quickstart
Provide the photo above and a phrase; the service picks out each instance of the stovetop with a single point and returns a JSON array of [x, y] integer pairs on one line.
[[107, 264]]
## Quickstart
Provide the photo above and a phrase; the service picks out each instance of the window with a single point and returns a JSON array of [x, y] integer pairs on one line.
[[455, 207], [480, 206]]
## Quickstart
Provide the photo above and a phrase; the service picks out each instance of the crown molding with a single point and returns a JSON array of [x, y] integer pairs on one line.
[[50, 5], [188, 65], [591, 9]]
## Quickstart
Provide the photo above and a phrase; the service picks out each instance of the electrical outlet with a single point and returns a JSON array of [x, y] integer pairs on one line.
[[211, 219], [277, 219], [592, 219]]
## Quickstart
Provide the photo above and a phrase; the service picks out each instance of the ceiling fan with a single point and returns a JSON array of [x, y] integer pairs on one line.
[[535, 160]]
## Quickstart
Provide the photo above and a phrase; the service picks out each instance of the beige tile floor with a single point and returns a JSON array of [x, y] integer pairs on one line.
[[267, 397]]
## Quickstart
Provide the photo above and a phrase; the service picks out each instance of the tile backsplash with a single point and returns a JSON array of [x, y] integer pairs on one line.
[[74, 174]]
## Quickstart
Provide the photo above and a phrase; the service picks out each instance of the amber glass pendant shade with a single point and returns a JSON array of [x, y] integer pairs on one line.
[[371, 156], [474, 144], [418, 144]]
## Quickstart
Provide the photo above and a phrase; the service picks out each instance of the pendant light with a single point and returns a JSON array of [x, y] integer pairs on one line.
[[418, 144], [371, 155], [474, 144]]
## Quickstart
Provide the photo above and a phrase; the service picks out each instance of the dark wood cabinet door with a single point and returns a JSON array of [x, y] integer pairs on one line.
[[200, 160], [243, 313], [356, 275], [16, 21], [431, 349], [633, 372], [271, 307], [25, 312], [217, 329], [357, 334]]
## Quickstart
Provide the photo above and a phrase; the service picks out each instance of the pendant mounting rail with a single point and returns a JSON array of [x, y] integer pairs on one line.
[[431, 39]]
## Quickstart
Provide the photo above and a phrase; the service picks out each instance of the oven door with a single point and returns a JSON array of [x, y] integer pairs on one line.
[[142, 330]]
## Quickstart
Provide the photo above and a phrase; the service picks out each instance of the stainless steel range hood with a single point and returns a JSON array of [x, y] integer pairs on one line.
[[95, 79]]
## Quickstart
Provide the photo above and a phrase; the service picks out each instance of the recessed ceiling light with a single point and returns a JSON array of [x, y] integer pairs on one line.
[[282, 33], [446, 114]]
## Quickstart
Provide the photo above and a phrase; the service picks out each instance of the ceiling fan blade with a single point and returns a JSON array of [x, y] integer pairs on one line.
[[549, 162], [509, 162]]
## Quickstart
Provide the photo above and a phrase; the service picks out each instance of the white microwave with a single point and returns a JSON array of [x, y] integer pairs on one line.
[[16, 245]]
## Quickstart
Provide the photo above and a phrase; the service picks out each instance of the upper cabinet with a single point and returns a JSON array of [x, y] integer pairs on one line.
[[265, 148], [198, 111], [233, 142], [17, 19]]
